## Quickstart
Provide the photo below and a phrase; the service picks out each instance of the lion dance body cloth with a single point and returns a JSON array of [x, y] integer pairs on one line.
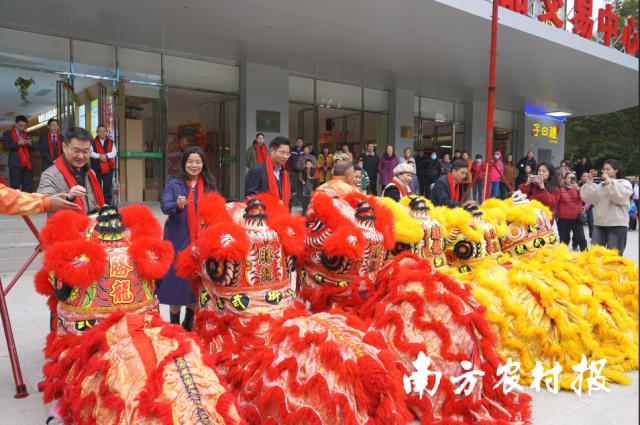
[[285, 365], [408, 305], [112, 360]]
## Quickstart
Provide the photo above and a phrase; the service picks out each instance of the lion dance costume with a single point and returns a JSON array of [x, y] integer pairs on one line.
[[285, 365], [111, 358], [407, 304], [547, 312]]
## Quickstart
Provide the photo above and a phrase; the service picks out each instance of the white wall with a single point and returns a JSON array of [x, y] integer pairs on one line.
[[400, 114], [543, 142], [261, 88], [475, 129]]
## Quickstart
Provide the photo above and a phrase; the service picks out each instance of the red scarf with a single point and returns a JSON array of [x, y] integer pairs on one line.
[[454, 188], [273, 185], [109, 164], [70, 179], [397, 184], [261, 153], [23, 151], [51, 145], [193, 217]]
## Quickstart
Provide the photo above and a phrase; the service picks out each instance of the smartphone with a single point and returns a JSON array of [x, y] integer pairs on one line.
[[537, 178], [573, 179], [599, 173]]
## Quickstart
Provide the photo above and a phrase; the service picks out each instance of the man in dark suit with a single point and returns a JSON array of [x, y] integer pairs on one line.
[[20, 147], [446, 190], [270, 175], [51, 144], [582, 167]]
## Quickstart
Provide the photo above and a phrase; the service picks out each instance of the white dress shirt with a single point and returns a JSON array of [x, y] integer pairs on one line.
[[112, 154]]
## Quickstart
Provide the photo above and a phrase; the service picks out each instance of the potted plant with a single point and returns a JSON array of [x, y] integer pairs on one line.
[[23, 87]]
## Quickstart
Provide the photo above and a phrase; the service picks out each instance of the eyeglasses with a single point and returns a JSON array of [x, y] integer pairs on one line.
[[284, 153], [78, 152], [194, 162]]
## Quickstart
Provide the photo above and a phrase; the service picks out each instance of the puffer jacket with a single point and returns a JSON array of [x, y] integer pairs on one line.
[[570, 203], [495, 176], [477, 169]]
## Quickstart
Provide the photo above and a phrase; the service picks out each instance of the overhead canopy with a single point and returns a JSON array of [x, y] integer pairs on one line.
[[438, 49]]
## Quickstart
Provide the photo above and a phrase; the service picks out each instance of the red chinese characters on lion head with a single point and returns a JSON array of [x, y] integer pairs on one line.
[[243, 261], [96, 265]]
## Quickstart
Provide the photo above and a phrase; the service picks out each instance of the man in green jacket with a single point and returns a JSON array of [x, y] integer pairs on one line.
[[256, 153]]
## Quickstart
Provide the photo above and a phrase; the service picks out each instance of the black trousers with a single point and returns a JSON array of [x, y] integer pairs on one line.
[[428, 187], [463, 189], [566, 227], [503, 190], [373, 181], [424, 186], [21, 176], [105, 180]]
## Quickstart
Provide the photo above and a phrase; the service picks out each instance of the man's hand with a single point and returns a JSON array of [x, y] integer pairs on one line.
[[182, 202], [22, 142], [103, 157], [59, 202], [76, 191]]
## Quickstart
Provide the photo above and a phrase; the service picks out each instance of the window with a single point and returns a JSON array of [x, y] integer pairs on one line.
[[202, 75], [94, 59], [30, 50], [136, 65], [334, 95], [300, 89]]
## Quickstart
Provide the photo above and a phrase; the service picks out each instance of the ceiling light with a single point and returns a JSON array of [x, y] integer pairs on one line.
[[445, 146], [42, 124], [439, 120], [559, 113]]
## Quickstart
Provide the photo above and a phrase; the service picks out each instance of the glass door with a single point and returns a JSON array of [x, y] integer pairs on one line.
[[228, 164], [65, 104]]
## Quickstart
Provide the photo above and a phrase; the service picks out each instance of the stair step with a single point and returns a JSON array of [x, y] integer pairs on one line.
[[8, 251], [11, 266]]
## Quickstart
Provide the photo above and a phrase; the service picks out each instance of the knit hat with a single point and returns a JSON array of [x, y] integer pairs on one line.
[[403, 168]]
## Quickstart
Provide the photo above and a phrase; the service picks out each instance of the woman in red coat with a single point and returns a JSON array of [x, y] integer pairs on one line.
[[545, 188], [569, 208]]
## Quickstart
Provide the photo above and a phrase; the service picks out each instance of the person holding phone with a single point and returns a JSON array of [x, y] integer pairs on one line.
[[19, 145], [569, 208], [611, 200], [543, 187], [180, 205]]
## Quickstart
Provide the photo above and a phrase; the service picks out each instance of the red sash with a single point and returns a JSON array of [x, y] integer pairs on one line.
[[261, 153], [70, 179], [454, 188], [193, 217], [23, 151], [273, 185], [50, 136], [109, 164], [399, 186]]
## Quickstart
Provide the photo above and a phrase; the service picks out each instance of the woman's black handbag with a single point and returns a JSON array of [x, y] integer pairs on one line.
[[582, 218]]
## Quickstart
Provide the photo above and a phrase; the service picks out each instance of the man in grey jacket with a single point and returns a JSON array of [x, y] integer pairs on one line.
[[75, 158]]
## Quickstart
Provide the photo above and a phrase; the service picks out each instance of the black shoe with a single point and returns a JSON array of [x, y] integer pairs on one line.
[[187, 323], [174, 318]]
